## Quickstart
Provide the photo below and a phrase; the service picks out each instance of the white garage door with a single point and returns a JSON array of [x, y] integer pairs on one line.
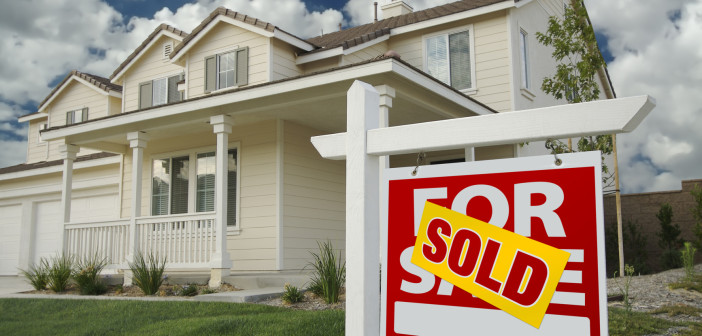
[[10, 221], [48, 220]]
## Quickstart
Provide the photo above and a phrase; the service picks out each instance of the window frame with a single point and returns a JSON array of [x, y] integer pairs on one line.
[[192, 181], [84, 113], [167, 77], [471, 40], [216, 55], [524, 59]]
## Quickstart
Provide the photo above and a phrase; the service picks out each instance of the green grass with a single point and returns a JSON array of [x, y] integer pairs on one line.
[[695, 283], [111, 317], [639, 323]]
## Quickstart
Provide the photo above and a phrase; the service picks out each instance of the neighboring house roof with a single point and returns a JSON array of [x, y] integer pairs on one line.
[[249, 20], [360, 34], [43, 164], [161, 28], [101, 83]]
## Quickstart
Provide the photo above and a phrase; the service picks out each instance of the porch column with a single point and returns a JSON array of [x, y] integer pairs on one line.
[[68, 154], [221, 262], [387, 94], [137, 141]]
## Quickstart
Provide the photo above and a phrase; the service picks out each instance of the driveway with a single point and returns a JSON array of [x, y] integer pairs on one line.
[[13, 284]]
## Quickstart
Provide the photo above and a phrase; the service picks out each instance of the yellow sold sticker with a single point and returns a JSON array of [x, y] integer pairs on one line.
[[513, 273]]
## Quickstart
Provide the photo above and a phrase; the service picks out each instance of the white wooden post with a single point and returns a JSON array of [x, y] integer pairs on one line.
[[387, 94], [68, 154], [362, 214], [470, 154], [221, 262], [137, 141]]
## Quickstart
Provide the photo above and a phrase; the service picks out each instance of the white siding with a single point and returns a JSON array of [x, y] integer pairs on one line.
[[313, 197], [10, 238], [283, 61], [225, 37], [151, 65], [365, 54], [36, 149]]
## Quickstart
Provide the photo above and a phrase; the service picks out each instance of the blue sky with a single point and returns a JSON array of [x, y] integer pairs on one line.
[[651, 46]]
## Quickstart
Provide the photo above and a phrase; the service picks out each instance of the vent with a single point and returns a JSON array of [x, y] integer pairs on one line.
[[167, 48]]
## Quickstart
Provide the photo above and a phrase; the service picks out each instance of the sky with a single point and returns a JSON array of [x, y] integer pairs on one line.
[[651, 47]]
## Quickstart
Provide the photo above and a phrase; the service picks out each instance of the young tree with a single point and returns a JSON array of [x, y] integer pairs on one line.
[[697, 214], [669, 238]]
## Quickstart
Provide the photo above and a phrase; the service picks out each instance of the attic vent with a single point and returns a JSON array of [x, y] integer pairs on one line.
[[167, 48]]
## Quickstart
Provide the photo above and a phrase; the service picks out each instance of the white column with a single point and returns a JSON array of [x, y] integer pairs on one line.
[[221, 262], [470, 154], [68, 154], [362, 213], [386, 95], [137, 141]]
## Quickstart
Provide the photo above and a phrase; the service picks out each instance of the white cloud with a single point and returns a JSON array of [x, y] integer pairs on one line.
[[13, 152], [657, 52]]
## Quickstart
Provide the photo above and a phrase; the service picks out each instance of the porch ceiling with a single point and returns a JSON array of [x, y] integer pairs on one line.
[[317, 101]]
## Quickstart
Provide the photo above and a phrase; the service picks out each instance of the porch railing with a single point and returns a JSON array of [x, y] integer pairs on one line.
[[185, 240], [108, 239]]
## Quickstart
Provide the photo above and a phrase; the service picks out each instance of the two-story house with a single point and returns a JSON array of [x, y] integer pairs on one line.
[[198, 145]]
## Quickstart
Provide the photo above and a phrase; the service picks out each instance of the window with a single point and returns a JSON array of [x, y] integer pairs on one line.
[[160, 91], [524, 58], [76, 116], [173, 181], [227, 69], [449, 58]]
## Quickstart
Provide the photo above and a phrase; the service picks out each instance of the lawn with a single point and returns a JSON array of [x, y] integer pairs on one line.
[[111, 317]]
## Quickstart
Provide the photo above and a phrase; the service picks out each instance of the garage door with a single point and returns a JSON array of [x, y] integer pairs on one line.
[[10, 220]]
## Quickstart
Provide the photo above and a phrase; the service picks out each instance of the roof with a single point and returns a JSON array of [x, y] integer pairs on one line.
[[231, 14], [146, 42], [356, 35], [245, 88], [99, 82], [44, 164]]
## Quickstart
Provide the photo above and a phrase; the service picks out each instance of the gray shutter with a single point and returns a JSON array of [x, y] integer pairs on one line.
[[242, 66], [210, 74], [145, 95], [173, 93], [84, 112], [69, 117]]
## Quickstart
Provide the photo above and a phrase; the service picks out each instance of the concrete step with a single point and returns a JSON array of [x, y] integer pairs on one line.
[[268, 280], [242, 296]]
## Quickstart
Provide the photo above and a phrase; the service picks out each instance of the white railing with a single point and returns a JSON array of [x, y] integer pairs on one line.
[[185, 240], [107, 239]]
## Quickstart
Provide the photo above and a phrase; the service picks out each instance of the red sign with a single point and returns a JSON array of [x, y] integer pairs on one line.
[[560, 206]]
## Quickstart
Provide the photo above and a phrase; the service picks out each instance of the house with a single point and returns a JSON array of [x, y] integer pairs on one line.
[[198, 145]]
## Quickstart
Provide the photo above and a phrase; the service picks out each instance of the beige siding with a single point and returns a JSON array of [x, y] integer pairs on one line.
[[283, 61], [365, 54], [151, 65], [255, 248], [322, 65], [36, 149], [115, 105], [73, 97], [313, 197], [492, 60], [226, 37]]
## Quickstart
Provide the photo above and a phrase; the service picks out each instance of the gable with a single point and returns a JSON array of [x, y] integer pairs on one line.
[[74, 96], [153, 41]]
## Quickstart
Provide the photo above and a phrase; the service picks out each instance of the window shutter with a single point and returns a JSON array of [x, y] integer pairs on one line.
[[459, 46], [84, 112], [145, 95], [173, 93], [210, 74], [69, 117], [242, 66]]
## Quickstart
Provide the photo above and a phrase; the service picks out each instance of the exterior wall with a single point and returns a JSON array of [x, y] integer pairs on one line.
[[322, 65], [255, 247], [151, 65], [37, 150], [492, 62], [642, 208], [365, 54], [225, 37], [283, 61], [314, 197], [115, 106]]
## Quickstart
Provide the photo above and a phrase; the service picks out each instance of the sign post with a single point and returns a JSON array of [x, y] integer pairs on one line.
[[363, 142]]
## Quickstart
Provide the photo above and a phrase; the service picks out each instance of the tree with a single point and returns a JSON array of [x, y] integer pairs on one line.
[[669, 238], [697, 214], [578, 60]]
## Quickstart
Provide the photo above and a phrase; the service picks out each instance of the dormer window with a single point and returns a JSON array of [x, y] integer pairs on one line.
[[160, 91], [76, 116], [227, 69]]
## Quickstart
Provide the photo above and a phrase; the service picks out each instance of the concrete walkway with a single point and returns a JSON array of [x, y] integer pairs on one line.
[[11, 287]]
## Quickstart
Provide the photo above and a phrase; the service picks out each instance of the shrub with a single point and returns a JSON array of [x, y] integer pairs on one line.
[[59, 273], [188, 290], [87, 275], [38, 275], [697, 214], [329, 273], [634, 248], [147, 272], [291, 294], [208, 291], [688, 260], [669, 239]]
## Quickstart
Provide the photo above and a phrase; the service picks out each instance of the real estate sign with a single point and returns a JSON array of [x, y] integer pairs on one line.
[[558, 205]]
